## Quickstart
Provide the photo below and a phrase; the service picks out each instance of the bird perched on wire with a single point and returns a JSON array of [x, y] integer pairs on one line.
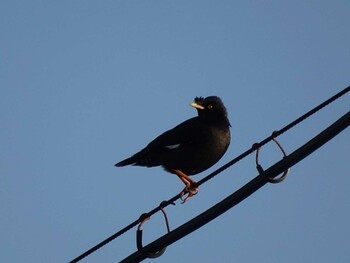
[[191, 147]]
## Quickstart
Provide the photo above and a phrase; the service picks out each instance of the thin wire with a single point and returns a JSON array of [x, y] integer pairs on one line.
[[216, 172], [248, 189], [274, 135]]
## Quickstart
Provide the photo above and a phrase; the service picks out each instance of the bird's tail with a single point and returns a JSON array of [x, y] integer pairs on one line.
[[125, 162]]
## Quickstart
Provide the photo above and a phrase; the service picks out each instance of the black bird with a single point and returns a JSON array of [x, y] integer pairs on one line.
[[191, 147]]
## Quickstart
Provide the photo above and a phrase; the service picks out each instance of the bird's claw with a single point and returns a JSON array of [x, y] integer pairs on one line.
[[191, 190]]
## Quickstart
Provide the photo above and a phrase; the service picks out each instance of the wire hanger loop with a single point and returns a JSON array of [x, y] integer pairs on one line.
[[261, 170], [140, 248]]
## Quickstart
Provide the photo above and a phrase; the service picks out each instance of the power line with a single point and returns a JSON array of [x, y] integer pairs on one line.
[[275, 134], [243, 192], [216, 172]]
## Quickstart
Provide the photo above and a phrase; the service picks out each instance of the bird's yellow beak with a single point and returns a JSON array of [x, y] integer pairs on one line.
[[197, 106]]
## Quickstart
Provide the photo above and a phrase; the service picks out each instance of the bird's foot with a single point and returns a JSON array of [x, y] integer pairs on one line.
[[190, 190]]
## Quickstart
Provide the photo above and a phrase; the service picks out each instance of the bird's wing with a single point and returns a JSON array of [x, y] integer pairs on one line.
[[185, 132], [183, 135]]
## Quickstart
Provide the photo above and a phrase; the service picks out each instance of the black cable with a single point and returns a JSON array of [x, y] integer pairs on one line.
[[216, 172], [275, 134], [243, 192]]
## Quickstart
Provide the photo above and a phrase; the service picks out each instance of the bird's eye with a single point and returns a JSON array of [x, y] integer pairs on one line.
[[210, 106]]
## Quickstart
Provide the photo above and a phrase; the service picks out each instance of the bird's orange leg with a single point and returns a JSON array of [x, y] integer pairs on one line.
[[191, 186]]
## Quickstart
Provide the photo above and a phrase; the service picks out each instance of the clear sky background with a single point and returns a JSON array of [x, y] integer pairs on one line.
[[84, 84]]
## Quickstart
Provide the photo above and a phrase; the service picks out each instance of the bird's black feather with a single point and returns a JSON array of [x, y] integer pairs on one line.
[[200, 141]]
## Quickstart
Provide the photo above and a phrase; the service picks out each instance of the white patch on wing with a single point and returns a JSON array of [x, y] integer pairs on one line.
[[174, 146]]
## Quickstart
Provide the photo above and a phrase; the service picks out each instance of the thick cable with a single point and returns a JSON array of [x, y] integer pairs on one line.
[[216, 172], [244, 192]]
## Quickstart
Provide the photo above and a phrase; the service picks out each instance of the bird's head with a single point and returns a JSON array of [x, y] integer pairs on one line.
[[210, 108]]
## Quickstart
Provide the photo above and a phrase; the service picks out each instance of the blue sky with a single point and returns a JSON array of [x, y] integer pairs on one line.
[[84, 84]]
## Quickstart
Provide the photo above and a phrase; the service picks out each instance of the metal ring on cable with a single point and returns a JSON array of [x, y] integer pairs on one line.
[[261, 170], [144, 218]]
